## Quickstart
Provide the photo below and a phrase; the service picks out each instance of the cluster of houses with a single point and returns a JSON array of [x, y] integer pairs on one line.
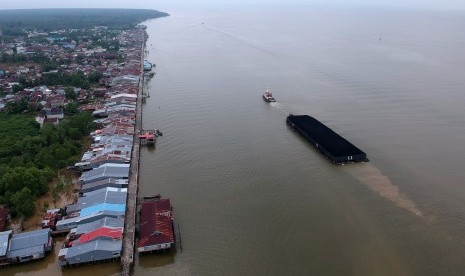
[[113, 65], [24, 247], [95, 221]]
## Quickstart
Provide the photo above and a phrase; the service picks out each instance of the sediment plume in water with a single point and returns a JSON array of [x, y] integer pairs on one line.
[[370, 176], [382, 185]]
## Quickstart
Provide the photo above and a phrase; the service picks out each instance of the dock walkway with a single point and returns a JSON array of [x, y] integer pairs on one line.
[[127, 257]]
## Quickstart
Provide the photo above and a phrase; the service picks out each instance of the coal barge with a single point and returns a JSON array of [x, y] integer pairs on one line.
[[337, 149]]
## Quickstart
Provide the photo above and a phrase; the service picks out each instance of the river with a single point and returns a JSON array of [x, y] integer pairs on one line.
[[251, 197]]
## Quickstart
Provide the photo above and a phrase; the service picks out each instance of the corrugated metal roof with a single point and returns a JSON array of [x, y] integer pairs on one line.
[[103, 195], [106, 221], [123, 139], [90, 248], [103, 207], [106, 190], [107, 182], [124, 95], [28, 239], [67, 223], [107, 232], [105, 171], [156, 223], [70, 223], [29, 251], [28, 243], [4, 238]]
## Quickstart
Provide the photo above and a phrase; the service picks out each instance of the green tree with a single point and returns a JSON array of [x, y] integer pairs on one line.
[[45, 158], [16, 107], [17, 87], [71, 108], [74, 133], [70, 94], [22, 203]]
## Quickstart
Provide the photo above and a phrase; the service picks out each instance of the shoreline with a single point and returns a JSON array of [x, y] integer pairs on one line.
[[45, 202], [127, 256]]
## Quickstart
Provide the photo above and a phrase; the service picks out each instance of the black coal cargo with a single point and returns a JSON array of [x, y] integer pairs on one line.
[[332, 145]]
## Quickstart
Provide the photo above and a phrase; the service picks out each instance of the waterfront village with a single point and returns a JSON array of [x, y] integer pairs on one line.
[[103, 77]]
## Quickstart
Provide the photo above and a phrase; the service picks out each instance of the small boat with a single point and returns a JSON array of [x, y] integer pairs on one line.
[[268, 97], [147, 66]]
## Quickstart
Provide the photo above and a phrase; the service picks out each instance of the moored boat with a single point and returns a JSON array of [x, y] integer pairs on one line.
[[147, 66]]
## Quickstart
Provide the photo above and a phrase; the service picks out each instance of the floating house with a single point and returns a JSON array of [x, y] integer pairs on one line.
[[106, 195], [156, 226], [93, 251], [147, 137], [4, 241], [103, 222], [107, 182], [27, 246], [105, 171], [99, 212]]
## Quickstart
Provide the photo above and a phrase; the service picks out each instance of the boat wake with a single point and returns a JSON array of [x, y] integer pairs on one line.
[[281, 108], [244, 41], [382, 185], [368, 175]]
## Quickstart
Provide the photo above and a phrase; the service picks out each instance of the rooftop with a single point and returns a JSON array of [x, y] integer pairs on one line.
[[4, 238], [156, 223], [106, 232], [103, 195], [105, 171], [29, 243], [103, 222], [113, 208]]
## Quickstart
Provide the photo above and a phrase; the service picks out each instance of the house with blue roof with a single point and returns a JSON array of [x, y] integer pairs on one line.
[[115, 209]]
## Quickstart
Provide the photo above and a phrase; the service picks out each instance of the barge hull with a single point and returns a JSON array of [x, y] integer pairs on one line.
[[337, 149]]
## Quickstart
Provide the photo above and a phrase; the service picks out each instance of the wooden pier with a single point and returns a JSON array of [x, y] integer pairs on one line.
[[127, 257]]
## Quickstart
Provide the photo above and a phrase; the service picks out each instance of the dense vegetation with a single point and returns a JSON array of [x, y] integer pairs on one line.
[[13, 22], [21, 58], [77, 79], [30, 157]]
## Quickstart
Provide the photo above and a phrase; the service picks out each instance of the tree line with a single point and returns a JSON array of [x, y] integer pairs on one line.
[[13, 22], [31, 156], [77, 79]]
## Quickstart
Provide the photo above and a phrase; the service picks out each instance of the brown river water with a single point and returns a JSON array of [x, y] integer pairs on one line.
[[251, 197]]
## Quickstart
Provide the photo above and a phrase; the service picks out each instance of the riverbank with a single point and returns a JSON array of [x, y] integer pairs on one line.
[[63, 190], [127, 257], [103, 200]]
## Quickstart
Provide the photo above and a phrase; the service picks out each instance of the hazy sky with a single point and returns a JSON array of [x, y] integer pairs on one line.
[[167, 4]]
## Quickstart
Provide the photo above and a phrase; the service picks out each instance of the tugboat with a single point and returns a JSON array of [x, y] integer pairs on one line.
[[268, 97]]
